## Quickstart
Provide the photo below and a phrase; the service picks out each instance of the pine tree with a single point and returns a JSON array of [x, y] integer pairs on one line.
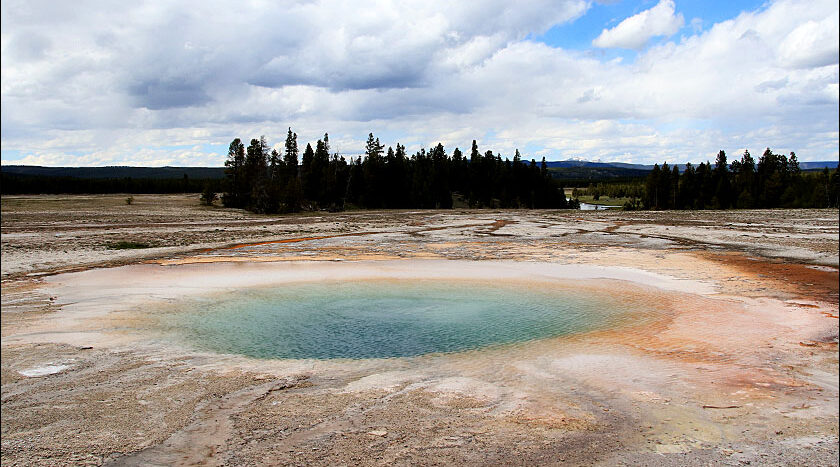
[[675, 187], [293, 192], [722, 183], [235, 172], [744, 181], [308, 178], [290, 157], [322, 180], [652, 184], [688, 188]]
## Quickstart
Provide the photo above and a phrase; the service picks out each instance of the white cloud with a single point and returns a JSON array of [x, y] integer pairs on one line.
[[635, 32], [161, 82], [812, 44]]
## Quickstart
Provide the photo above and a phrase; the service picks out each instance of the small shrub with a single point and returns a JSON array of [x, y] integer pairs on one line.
[[208, 196], [129, 200]]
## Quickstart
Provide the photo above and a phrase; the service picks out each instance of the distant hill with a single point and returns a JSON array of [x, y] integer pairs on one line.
[[156, 173], [818, 165], [570, 168], [22, 179], [586, 164], [581, 173], [577, 172], [29, 177], [600, 165]]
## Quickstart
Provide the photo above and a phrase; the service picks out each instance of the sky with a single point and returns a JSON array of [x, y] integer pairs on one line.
[[93, 83]]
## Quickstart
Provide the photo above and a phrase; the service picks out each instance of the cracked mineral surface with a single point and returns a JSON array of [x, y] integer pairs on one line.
[[739, 366]]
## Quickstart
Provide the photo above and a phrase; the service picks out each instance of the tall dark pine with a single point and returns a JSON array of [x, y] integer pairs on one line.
[[235, 172], [256, 172], [675, 187], [440, 178], [400, 175], [664, 189], [475, 175], [275, 167], [652, 183], [687, 188], [290, 156], [722, 198], [744, 181], [373, 173], [307, 177], [772, 171], [321, 181], [293, 193]]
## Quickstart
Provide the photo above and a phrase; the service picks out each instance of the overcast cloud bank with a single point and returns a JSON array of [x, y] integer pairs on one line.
[[152, 84]]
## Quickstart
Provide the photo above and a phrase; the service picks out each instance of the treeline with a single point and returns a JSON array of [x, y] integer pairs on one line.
[[13, 183], [613, 189], [264, 180], [583, 175], [775, 181]]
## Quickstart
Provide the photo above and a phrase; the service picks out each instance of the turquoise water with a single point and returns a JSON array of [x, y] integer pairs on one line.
[[383, 319]]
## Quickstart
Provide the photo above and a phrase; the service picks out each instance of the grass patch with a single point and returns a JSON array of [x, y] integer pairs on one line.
[[123, 245]]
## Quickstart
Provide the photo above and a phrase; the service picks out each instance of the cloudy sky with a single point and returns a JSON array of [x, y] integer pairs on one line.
[[89, 83]]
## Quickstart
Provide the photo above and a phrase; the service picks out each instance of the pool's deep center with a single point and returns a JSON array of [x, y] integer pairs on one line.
[[388, 318]]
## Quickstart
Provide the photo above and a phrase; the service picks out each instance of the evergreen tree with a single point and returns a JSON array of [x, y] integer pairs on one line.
[[665, 187], [308, 178], [400, 174], [322, 180], [235, 172], [356, 182], [652, 186], [336, 183], [772, 177], [475, 181], [793, 195], [687, 188], [293, 192], [706, 186], [290, 157], [744, 176], [440, 178], [276, 180], [276, 168], [721, 199], [675, 187], [256, 172], [373, 173]]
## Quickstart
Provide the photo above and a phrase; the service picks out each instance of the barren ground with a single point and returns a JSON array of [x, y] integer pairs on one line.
[[741, 367]]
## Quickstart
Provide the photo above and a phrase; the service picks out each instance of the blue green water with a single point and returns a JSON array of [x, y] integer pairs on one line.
[[383, 319]]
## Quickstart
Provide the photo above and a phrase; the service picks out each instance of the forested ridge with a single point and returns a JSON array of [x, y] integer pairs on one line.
[[13, 182], [261, 179]]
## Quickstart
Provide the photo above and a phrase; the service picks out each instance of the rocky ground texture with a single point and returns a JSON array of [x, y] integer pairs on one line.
[[741, 370]]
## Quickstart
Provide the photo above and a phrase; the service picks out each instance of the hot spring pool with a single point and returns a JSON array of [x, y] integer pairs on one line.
[[389, 318]]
